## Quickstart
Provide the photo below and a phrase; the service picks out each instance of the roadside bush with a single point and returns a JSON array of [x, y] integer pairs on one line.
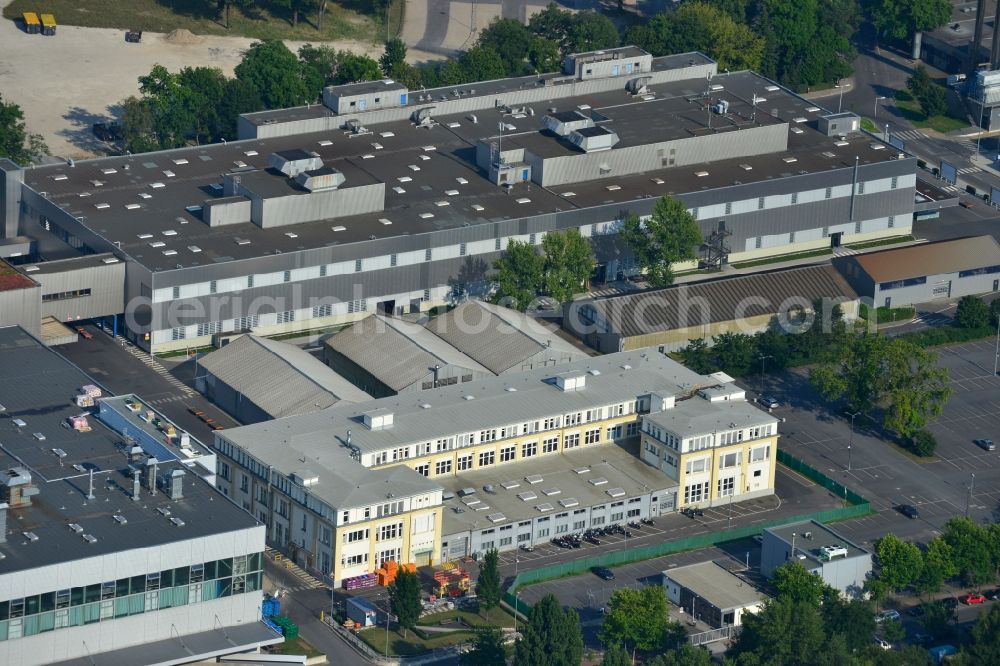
[[995, 311], [923, 443], [943, 335], [972, 312]]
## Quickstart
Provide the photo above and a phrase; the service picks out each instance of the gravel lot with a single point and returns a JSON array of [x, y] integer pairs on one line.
[[66, 83]]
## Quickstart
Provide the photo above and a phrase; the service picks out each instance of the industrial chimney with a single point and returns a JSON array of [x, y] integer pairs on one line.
[[978, 37]]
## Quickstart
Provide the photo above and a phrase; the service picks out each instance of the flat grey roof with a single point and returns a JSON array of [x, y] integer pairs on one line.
[[280, 378], [104, 192], [821, 536], [365, 87], [75, 263], [619, 466], [697, 416], [723, 298], [434, 413], [203, 645], [717, 585], [37, 386]]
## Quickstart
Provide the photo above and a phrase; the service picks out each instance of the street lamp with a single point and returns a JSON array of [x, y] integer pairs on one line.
[[516, 560], [851, 440], [840, 99], [968, 500], [996, 353], [762, 357], [877, 98]]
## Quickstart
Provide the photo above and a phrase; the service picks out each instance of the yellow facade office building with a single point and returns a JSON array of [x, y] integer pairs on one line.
[[498, 463]]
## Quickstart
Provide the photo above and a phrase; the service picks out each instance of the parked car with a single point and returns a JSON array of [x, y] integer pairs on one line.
[[951, 603], [985, 444], [993, 595], [758, 539], [882, 643], [973, 598], [526, 548], [887, 615], [603, 573], [769, 401], [909, 511]]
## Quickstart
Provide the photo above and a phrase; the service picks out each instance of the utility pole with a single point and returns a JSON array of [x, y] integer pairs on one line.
[[996, 353], [850, 442], [968, 500]]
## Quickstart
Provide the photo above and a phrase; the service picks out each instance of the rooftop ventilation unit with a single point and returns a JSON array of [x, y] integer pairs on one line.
[[293, 162], [324, 178], [424, 117], [833, 552], [18, 489], [563, 123], [593, 139], [377, 419]]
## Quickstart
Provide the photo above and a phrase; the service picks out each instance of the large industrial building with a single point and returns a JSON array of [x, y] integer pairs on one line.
[[453, 471], [669, 318], [926, 272], [387, 200], [115, 547]]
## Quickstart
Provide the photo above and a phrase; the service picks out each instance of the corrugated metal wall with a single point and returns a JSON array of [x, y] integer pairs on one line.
[[107, 292]]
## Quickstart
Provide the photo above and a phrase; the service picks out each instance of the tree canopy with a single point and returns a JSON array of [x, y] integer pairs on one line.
[[669, 236], [16, 143], [276, 74], [488, 584], [551, 636], [972, 312], [875, 372], [569, 261], [899, 19], [637, 619], [406, 602], [899, 561], [519, 274], [487, 649]]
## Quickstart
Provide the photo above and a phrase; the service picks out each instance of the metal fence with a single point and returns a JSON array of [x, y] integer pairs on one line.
[[713, 635], [857, 506]]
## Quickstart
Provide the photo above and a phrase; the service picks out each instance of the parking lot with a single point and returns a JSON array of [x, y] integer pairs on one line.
[[940, 486]]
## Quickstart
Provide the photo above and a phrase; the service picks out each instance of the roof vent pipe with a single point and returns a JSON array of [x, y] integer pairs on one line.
[[136, 485]]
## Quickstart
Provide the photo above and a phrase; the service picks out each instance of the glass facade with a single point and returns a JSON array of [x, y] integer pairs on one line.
[[144, 593]]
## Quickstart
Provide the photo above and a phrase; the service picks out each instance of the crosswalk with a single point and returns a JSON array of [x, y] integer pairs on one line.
[[155, 366], [967, 170], [910, 135], [843, 251]]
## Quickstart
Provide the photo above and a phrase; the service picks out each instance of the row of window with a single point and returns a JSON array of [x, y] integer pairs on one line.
[[506, 432], [65, 295], [133, 604], [123, 587]]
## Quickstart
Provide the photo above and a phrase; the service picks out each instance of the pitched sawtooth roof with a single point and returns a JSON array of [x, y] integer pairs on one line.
[[281, 379], [950, 256], [725, 299], [397, 352], [497, 337]]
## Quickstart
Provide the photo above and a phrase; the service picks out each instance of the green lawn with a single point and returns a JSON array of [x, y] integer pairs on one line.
[[495, 617], [879, 243], [350, 19], [868, 125], [411, 644], [783, 257], [910, 110], [295, 646]]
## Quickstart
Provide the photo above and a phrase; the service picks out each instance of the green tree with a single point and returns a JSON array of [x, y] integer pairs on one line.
[[352, 67], [510, 39], [636, 618], [319, 66], [972, 312], [520, 271], [16, 143], [616, 655], [393, 56], [481, 63], [488, 584], [553, 25], [936, 567], [544, 56], [919, 81], [487, 649], [551, 637], [995, 311], [296, 7], [276, 74], [698, 26], [937, 619], [892, 631], [891, 374], [984, 648], [933, 101], [794, 582], [206, 88], [685, 655], [698, 357], [853, 620], [735, 353], [405, 596], [569, 261], [138, 126], [669, 236], [237, 97], [590, 31], [970, 550], [899, 19], [899, 561], [784, 632]]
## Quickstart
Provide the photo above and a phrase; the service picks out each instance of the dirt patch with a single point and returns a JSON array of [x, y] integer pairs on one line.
[[182, 36]]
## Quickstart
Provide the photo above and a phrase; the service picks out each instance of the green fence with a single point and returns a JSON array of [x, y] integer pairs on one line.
[[858, 506]]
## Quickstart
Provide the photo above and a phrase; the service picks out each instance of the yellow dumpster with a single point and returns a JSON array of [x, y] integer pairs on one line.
[[48, 24], [32, 25]]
